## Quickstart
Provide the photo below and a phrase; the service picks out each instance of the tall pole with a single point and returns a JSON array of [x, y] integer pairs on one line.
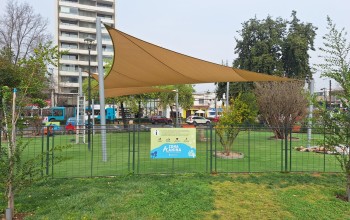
[[311, 108], [89, 42], [330, 96], [52, 88], [177, 106], [101, 89], [227, 93]]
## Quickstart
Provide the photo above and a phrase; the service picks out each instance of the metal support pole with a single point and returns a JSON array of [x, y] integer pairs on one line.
[[311, 108], [101, 89], [89, 42], [227, 93], [177, 107]]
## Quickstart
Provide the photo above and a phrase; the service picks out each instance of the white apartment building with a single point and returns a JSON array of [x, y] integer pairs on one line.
[[76, 21]]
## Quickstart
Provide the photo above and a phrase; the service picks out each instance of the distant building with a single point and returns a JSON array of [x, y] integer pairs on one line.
[[205, 104], [76, 21]]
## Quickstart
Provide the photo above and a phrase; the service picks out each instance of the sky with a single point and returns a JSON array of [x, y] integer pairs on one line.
[[206, 29]]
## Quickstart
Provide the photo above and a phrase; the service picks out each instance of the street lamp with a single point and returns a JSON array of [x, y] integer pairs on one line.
[[177, 106], [51, 87], [310, 83], [89, 41]]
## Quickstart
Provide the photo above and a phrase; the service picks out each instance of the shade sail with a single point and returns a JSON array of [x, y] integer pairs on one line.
[[115, 92], [138, 63]]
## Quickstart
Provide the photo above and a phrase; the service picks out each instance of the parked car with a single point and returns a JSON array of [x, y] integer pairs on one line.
[[160, 119], [71, 125], [51, 128], [216, 119], [195, 120]]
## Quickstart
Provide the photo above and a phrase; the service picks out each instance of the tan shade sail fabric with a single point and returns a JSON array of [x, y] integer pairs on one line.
[[115, 92], [138, 63]]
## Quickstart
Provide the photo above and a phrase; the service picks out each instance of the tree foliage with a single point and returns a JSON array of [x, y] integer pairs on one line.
[[25, 55], [336, 65], [29, 89], [241, 110], [22, 30], [281, 104], [272, 46]]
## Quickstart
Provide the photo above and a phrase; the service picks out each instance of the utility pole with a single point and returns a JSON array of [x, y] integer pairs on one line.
[[330, 92]]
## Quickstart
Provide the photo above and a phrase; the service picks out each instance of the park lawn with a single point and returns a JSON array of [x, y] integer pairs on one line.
[[129, 152], [187, 196]]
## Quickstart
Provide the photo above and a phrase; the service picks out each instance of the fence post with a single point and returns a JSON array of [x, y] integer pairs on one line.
[[129, 150], [324, 146], [206, 149], [285, 148], [47, 149], [138, 147], [42, 153], [290, 149], [92, 147], [249, 148], [133, 149], [211, 148], [52, 153]]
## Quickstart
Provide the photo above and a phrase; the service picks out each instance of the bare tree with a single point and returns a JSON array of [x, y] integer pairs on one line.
[[280, 104], [21, 30]]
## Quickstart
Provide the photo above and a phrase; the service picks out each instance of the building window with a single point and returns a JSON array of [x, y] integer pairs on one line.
[[87, 25], [69, 10], [104, 16], [201, 101], [69, 45], [69, 68], [70, 1], [86, 35], [69, 79], [104, 5], [69, 23], [69, 57], [69, 34], [87, 13]]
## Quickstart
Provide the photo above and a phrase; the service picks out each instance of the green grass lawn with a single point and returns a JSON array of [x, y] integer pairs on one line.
[[187, 196], [129, 152]]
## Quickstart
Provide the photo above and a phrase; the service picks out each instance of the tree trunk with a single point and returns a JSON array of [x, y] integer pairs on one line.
[[10, 201], [123, 115]]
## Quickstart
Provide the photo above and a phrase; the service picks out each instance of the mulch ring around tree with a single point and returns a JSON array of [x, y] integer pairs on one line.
[[230, 155]]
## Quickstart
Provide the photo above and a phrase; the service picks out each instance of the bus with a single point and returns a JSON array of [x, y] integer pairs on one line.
[[60, 114], [110, 111]]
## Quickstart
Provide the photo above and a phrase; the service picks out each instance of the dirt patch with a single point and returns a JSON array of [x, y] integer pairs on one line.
[[342, 197], [274, 138], [231, 155]]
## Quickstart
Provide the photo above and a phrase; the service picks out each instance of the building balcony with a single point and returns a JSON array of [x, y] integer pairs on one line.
[[68, 84], [88, 7], [72, 73]]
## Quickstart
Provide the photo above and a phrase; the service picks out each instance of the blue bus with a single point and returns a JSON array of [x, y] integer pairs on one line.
[[54, 114]]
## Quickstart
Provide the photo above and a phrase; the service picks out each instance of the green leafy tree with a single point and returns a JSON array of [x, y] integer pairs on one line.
[[336, 65], [272, 46], [241, 110], [168, 98], [31, 72]]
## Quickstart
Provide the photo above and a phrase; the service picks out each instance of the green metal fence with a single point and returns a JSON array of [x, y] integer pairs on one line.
[[128, 151]]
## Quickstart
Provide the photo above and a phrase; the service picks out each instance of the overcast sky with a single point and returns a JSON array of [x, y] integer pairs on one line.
[[206, 29]]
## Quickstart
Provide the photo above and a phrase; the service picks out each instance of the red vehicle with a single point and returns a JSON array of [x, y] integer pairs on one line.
[[160, 119], [216, 119]]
